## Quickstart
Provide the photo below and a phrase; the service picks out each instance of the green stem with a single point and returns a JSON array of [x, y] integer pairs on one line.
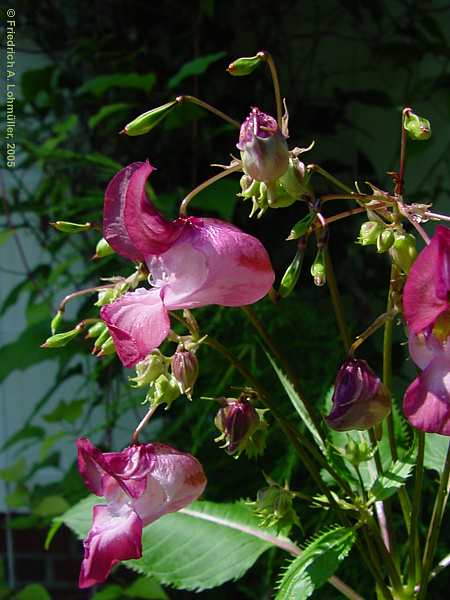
[[205, 184], [276, 352], [330, 177], [373, 564], [336, 300], [212, 109], [414, 559], [276, 85], [386, 556], [434, 528]]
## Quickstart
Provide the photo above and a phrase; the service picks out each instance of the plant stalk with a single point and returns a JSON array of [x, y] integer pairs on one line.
[[414, 557]]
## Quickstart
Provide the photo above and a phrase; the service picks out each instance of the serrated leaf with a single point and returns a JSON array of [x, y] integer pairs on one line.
[[394, 476], [435, 451], [197, 548], [317, 563], [296, 401], [194, 67]]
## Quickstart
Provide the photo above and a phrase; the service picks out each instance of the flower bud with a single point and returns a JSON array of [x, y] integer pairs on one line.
[[95, 330], [107, 347], [67, 227], [103, 249], [56, 322], [295, 179], [245, 65], [357, 452], [185, 370], [360, 400], [107, 296], [292, 273], [418, 128], [101, 339], [148, 370], [385, 240], [369, 232], [264, 151], [274, 505], [61, 339], [237, 421], [301, 227], [403, 252], [318, 269], [148, 120], [164, 390]]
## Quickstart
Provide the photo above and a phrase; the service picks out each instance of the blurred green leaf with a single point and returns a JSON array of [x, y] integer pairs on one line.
[[49, 442], [5, 234], [29, 432], [70, 412], [36, 80], [99, 85], [436, 447], [106, 111], [194, 67], [18, 498], [146, 588], [51, 506], [109, 592], [14, 472], [34, 591]]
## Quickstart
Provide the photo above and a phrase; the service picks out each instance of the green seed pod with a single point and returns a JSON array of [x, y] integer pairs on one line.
[[385, 240], [318, 269], [245, 65], [301, 227], [67, 227], [103, 249], [61, 339], [101, 340], [56, 322], [418, 128], [107, 347], [291, 275], [369, 232], [403, 252], [95, 330], [148, 120]]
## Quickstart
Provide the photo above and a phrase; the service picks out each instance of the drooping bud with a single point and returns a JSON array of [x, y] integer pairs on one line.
[[264, 151], [403, 252], [292, 273], [68, 227], [360, 400], [148, 120], [385, 240], [237, 421], [56, 322], [185, 370], [357, 451], [61, 339], [418, 128], [274, 506], [95, 330], [107, 347], [101, 339], [369, 232], [245, 65], [301, 227], [148, 370], [103, 249], [318, 268]]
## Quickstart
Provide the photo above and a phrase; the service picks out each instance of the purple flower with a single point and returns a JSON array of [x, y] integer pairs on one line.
[[264, 151], [360, 400], [192, 262], [140, 484], [426, 402]]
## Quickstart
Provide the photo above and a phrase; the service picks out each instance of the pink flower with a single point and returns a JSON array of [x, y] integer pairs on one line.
[[140, 484], [426, 402], [192, 262]]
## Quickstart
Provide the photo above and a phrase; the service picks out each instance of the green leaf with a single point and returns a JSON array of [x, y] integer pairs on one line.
[[34, 591], [18, 498], [394, 476], [14, 472], [5, 235], [316, 564], [106, 111], [435, 451], [109, 592], [146, 588], [194, 67], [70, 412], [28, 432], [99, 85], [197, 548], [51, 506], [296, 401], [49, 442]]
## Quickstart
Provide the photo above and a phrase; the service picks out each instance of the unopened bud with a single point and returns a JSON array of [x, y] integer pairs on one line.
[[360, 400], [148, 370], [56, 322], [403, 252], [185, 370], [107, 347], [292, 273], [164, 390], [369, 232], [245, 65], [237, 421], [274, 505], [418, 128], [148, 120], [95, 330], [103, 249], [107, 296], [101, 339], [301, 227], [295, 180], [318, 269], [385, 240], [61, 339], [264, 151], [67, 227]]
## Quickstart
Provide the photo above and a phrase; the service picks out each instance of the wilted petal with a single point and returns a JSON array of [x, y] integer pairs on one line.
[[239, 271], [175, 480], [131, 224], [115, 535], [425, 296], [138, 322], [426, 402], [360, 400]]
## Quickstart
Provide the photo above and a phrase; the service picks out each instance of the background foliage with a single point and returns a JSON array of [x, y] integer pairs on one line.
[[347, 68]]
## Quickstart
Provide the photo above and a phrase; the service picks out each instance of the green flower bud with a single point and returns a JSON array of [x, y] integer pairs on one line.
[[67, 227], [107, 347], [148, 120], [292, 273], [149, 369], [318, 269], [385, 240], [369, 232], [104, 335], [56, 322], [163, 391], [403, 252], [95, 330], [418, 128], [357, 452], [274, 506], [294, 181], [60, 339], [245, 65], [301, 227], [107, 296], [103, 249]]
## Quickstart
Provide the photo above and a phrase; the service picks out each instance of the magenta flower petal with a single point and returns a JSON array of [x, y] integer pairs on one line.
[[426, 403], [138, 322], [425, 296], [115, 535], [131, 224]]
